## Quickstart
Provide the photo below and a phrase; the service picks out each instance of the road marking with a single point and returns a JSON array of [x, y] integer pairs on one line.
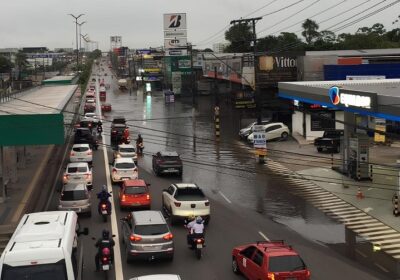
[[264, 236], [28, 192], [114, 226], [227, 199]]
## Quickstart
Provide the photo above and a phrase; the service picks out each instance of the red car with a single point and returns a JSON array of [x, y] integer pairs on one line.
[[134, 194], [106, 107], [271, 260]]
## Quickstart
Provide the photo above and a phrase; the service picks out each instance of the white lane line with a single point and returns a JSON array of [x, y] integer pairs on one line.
[[263, 236], [227, 199], [114, 226]]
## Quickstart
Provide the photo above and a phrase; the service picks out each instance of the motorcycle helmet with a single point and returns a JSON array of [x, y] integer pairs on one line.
[[106, 234], [199, 220], [106, 251], [104, 188]]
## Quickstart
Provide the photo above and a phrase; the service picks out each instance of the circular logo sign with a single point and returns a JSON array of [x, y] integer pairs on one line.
[[334, 95]]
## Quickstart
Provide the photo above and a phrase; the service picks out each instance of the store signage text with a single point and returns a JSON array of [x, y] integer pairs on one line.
[[337, 97]]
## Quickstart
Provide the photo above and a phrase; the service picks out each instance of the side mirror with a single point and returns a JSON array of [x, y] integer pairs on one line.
[[147, 184], [113, 235]]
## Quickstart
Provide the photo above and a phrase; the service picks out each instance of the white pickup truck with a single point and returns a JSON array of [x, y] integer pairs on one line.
[[183, 200], [122, 84]]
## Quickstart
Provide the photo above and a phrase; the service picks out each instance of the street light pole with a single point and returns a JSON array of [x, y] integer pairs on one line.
[[80, 34], [76, 33]]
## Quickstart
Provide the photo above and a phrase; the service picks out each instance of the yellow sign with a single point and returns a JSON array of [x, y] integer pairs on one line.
[[380, 137], [260, 152], [152, 70]]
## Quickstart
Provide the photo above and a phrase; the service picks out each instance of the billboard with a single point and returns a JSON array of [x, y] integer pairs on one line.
[[174, 21], [115, 39], [175, 43], [274, 69]]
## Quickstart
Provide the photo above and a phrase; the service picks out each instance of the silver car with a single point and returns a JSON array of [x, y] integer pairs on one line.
[[147, 236], [158, 277], [127, 151], [75, 197]]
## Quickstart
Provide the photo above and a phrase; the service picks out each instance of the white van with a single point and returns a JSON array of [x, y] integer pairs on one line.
[[45, 245]]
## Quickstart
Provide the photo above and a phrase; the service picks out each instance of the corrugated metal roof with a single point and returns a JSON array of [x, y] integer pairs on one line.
[[371, 52]]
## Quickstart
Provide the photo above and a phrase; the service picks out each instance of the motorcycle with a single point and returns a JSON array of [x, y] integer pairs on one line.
[[196, 242], [139, 148], [105, 209], [105, 260], [99, 130]]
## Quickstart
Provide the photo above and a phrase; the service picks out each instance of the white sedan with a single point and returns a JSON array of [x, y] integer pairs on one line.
[[126, 151], [81, 153], [78, 172], [124, 169], [273, 131]]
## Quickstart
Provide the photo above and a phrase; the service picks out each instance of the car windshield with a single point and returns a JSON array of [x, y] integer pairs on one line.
[[52, 271], [135, 190], [127, 150], [80, 149], [125, 165], [286, 263], [151, 229], [73, 195], [78, 169]]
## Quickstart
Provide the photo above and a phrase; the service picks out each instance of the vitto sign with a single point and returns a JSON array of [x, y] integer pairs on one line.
[[269, 63], [174, 21], [349, 99]]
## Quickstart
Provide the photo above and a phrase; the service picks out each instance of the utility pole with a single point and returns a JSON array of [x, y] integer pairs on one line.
[[190, 49], [80, 34], [257, 96], [76, 33]]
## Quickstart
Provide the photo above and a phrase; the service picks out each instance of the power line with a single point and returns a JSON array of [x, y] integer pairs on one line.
[[282, 9]]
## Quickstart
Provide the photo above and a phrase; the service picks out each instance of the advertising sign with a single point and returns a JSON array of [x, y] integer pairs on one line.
[[115, 39], [176, 52], [174, 21], [176, 82], [175, 43], [274, 69], [349, 98], [180, 33], [380, 137], [259, 140]]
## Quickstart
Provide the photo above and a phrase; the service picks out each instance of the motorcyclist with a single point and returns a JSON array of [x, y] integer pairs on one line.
[[99, 127], [139, 144], [104, 196], [196, 229], [104, 242]]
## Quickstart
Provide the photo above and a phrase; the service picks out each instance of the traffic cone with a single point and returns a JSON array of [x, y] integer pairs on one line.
[[360, 195]]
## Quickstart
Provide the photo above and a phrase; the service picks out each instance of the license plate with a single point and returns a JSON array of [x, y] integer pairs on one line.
[[104, 212], [199, 246], [77, 177], [152, 248], [80, 158], [171, 169], [106, 267], [123, 179], [136, 204]]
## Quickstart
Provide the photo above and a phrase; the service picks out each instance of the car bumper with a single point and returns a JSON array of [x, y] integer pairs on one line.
[[80, 209], [139, 204], [150, 255], [123, 178], [185, 215], [170, 169], [82, 159]]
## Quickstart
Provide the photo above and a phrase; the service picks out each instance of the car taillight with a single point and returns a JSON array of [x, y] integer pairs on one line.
[[270, 276], [114, 170], [177, 204], [134, 238], [135, 169], [113, 131], [148, 197], [158, 161], [308, 274], [88, 176], [66, 177], [89, 153], [72, 154], [123, 197], [207, 203], [169, 236]]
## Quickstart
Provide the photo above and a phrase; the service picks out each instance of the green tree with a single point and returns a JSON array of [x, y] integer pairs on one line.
[[21, 63], [326, 41], [310, 32], [285, 41], [376, 29], [5, 64], [95, 54], [239, 36], [208, 50]]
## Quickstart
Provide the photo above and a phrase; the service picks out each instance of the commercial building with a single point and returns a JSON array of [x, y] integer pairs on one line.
[[219, 47]]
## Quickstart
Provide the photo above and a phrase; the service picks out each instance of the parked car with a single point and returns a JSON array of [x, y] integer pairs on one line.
[[75, 197], [269, 260], [134, 194], [183, 200], [123, 169], [147, 236], [273, 131], [158, 277], [81, 153], [330, 141], [167, 162], [126, 151], [245, 132], [77, 172], [106, 107]]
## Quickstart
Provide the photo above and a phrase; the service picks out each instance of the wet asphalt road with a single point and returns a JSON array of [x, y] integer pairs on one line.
[[245, 204]]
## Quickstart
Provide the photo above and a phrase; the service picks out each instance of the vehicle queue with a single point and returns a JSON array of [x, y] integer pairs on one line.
[[146, 233]]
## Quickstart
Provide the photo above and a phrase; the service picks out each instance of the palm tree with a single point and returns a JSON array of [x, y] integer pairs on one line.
[[21, 63], [310, 32]]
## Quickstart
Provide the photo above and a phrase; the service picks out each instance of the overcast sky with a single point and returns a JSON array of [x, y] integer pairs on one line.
[[28, 23]]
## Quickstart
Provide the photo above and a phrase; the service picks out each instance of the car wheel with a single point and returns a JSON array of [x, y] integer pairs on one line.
[[319, 150], [235, 266], [284, 135]]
